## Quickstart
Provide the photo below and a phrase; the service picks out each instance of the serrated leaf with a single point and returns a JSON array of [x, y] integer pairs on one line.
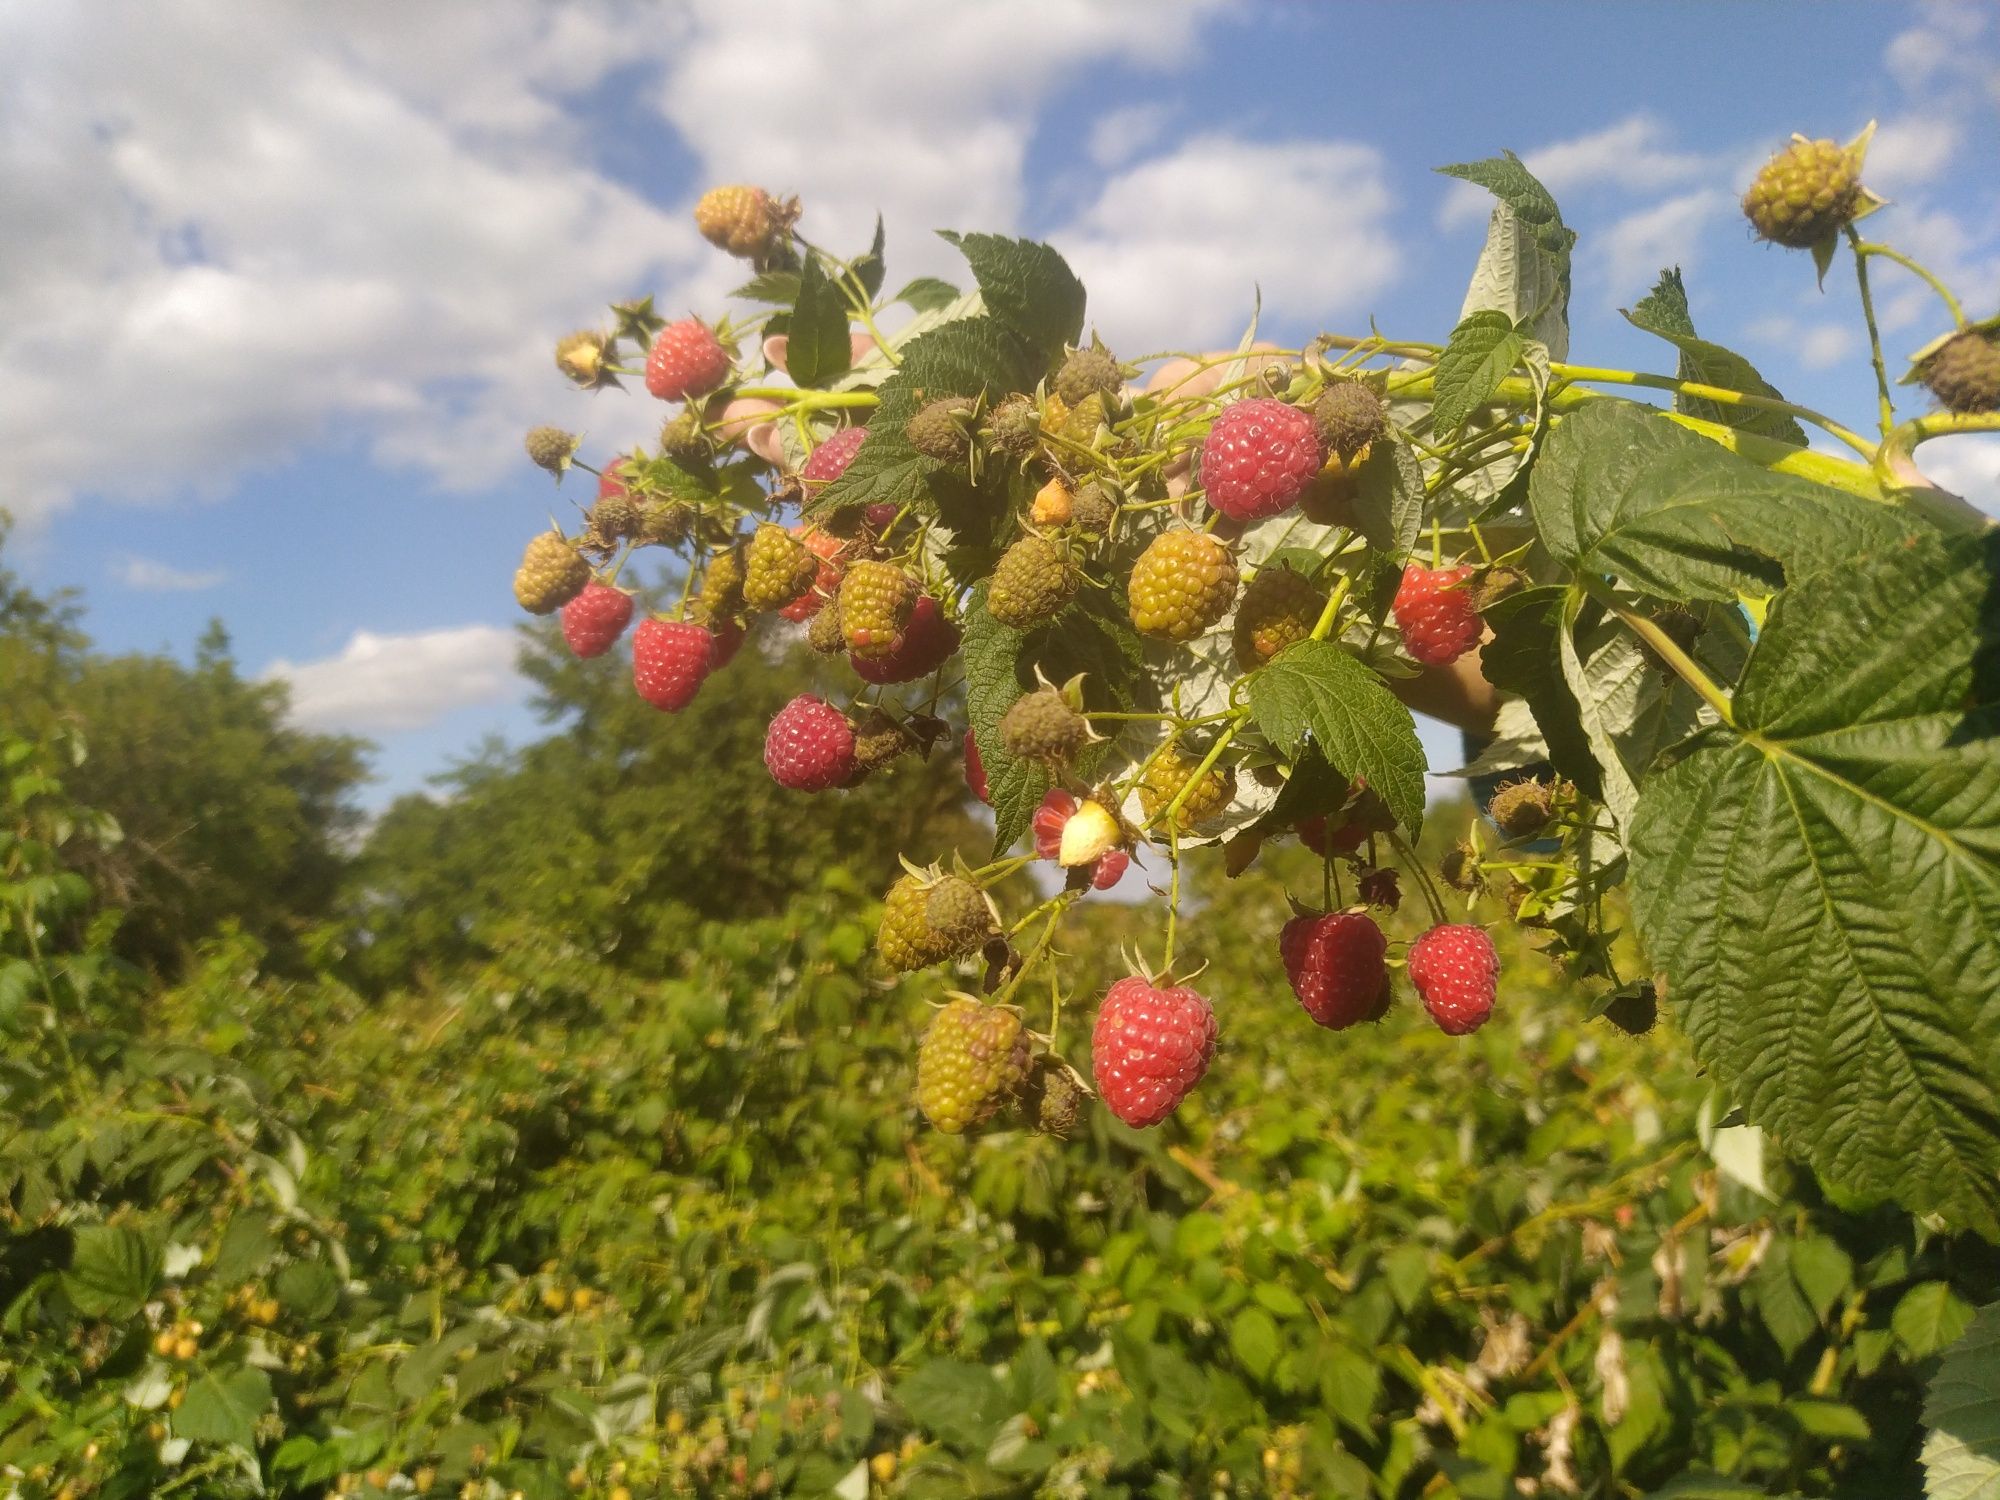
[[926, 294], [1961, 1453], [818, 349], [1929, 1316], [868, 267], [1524, 267], [1315, 691], [780, 288], [112, 1271], [991, 653], [1253, 1338], [1028, 287], [309, 1288], [1525, 657], [1482, 352], [1821, 883], [1664, 311], [223, 1406], [961, 1402], [1620, 489], [1389, 497]]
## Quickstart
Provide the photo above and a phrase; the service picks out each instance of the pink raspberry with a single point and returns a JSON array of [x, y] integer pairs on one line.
[[975, 774], [1149, 1048], [1455, 970], [595, 618], [1258, 459], [1434, 611], [611, 479], [810, 746], [687, 360], [670, 661], [1335, 965], [830, 459]]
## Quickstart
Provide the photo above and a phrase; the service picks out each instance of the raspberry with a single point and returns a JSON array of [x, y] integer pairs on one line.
[[729, 637], [1052, 505], [926, 644], [1182, 583], [1089, 372], [721, 596], [1042, 726], [1380, 887], [1056, 1099], [1460, 868], [745, 221], [826, 575], [1454, 969], [580, 356], [1149, 1048], [975, 771], [1805, 193], [1436, 616], [830, 459], [1279, 609], [670, 661], [595, 618], [611, 479], [1348, 417], [1032, 581], [938, 430], [612, 519], [683, 439], [876, 601], [551, 448], [665, 523], [878, 740], [960, 916], [1348, 830], [1093, 509], [810, 745], [823, 633], [1164, 779], [1258, 459], [1494, 584], [904, 942], [1335, 966], [1015, 427], [1964, 374], [973, 1058], [687, 360], [551, 574], [777, 568], [1521, 809], [1053, 818]]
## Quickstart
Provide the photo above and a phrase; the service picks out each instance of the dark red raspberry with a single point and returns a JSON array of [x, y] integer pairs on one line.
[[975, 770], [1149, 1048], [926, 644], [1434, 611], [687, 360], [1258, 459], [810, 746], [595, 618], [1335, 965], [1455, 970], [830, 459], [829, 549], [670, 661], [729, 635]]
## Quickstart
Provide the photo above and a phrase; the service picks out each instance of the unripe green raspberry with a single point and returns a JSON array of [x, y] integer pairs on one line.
[[1182, 583], [721, 596], [1031, 583], [1494, 584], [665, 523], [551, 574], [1014, 427], [1171, 771], [823, 632], [972, 1060], [959, 916], [1349, 417], [875, 602], [1088, 372], [778, 568], [905, 942], [1279, 609], [1964, 374], [939, 430], [551, 448], [1042, 726], [1805, 194], [613, 518], [1093, 510], [682, 438]]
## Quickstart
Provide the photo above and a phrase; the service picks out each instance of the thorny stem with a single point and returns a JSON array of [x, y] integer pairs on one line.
[[1874, 335], [1916, 268]]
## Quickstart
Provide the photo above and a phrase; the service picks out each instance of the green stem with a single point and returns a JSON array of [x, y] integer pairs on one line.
[[804, 400], [1916, 268], [1173, 894], [1682, 665], [1323, 626], [1172, 810], [1720, 395], [1874, 334], [1431, 898]]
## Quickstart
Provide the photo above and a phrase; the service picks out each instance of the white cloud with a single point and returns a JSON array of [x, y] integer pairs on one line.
[[1630, 155], [1911, 151], [1117, 137], [1816, 346], [393, 682], [1175, 247], [1967, 466], [152, 576], [1637, 247]]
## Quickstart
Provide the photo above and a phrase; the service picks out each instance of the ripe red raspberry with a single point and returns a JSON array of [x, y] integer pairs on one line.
[[1258, 459], [1335, 965], [687, 360], [1434, 611], [670, 661], [975, 771], [1057, 808], [611, 479], [926, 643], [810, 746], [595, 618], [828, 549], [1455, 969], [729, 636], [830, 459], [1149, 1048]]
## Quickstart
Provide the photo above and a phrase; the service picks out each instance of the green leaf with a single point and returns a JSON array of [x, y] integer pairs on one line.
[[1929, 1316], [1253, 1338], [1525, 657], [1389, 497], [961, 1402], [927, 294], [1315, 691], [868, 267], [1483, 351], [111, 1272], [818, 350], [1821, 883], [1279, 1298], [1620, 489], [991, 652], [1833, 1421], [1665, 312], [1961, 1452], [1027, 286], [778, 287], [223, 1407], [1524, 267], [1823, 1271], [309, 1288], [1350, 1383], [1784, 1310]]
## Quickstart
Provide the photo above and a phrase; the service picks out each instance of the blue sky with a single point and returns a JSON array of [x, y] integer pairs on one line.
[[279, 282]]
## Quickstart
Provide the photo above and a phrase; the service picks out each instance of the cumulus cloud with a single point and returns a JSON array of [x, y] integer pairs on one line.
[[1968, 465], [149, 575], [1175, 247], [1911, 151], [398, 682], [1117, 137], [1632, 251], [1632, 155], [1816, 346]]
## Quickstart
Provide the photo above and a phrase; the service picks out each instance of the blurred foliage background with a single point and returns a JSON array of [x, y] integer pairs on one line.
[[552, 1136]]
